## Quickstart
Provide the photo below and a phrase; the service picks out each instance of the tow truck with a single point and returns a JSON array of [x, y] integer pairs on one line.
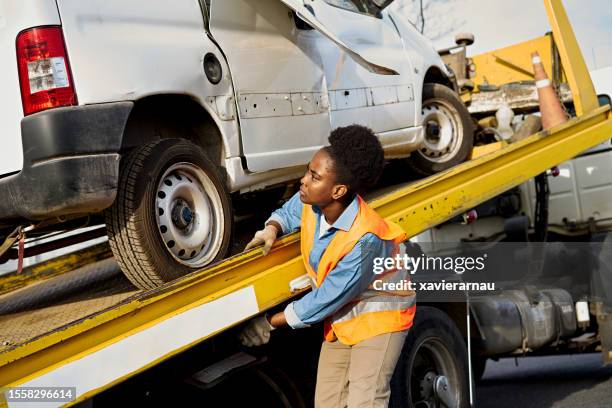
[[105, 341]]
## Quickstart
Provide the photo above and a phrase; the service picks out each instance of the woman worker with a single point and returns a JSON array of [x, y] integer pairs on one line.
[[364, 328]]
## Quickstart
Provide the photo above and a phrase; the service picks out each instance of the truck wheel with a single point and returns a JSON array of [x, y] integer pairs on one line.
[[172, 214], [434, 348], [449, 132]]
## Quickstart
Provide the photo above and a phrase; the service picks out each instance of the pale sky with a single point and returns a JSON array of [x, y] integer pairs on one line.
[[498, 23]]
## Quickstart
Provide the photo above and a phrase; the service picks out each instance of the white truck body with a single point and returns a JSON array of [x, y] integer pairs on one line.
[[583, 190]]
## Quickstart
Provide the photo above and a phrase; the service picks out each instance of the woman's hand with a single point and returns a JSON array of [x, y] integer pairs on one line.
[[256, 332], [266, 236]]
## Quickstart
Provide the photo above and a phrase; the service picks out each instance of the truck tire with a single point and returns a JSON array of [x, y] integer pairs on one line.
[[449, 131], [172, 214], [434, 347]]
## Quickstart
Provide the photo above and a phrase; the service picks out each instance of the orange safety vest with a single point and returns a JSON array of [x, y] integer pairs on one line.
[[374, 312]]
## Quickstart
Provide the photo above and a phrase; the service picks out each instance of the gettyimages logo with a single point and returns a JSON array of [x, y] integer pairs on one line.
[[459, 264], [440, 275]]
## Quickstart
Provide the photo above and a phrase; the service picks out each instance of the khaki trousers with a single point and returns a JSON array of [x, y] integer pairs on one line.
[[358, 376]]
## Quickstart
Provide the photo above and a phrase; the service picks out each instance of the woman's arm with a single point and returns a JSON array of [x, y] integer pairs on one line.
[[282, 221], [289, 216], [351, 276]]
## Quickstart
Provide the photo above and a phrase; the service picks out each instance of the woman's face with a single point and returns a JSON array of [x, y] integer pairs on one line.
[[319, 186]]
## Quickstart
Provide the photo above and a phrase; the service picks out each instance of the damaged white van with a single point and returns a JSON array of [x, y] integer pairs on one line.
[[151, 113]]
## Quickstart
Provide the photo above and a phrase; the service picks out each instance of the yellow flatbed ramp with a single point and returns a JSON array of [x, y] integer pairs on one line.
[[96, 338]]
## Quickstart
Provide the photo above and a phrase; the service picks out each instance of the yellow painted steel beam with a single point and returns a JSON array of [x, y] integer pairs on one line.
[[416, 208], [269, 275], [513, 63], [576, 71]]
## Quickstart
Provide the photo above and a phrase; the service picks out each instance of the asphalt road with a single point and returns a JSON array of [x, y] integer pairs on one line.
[[574, 381]]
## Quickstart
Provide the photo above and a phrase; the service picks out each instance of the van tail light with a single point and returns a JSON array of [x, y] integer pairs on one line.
[[44, 70]]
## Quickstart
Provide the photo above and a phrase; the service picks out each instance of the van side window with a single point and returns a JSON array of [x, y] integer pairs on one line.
[[357, 6]]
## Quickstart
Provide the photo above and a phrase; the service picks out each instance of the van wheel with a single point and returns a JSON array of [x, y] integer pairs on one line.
[[172, 214], [448, 128], [434, 351]]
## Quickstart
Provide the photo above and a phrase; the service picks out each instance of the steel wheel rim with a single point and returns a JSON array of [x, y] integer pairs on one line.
[[189, 215], [445, 116], [431, 358]]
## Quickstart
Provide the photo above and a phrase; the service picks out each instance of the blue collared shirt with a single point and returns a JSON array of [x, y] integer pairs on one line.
[[351, 276]]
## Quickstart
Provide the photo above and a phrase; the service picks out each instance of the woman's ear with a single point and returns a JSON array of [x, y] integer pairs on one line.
[[339, 191]]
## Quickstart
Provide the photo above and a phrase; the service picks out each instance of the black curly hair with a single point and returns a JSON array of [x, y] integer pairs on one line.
[[358, 157]]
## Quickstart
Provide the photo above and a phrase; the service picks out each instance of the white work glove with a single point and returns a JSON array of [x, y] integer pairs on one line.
[[266, 236], [256, 332]]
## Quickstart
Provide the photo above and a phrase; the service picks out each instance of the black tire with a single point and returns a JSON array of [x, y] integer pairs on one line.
[[433, 346], [134, 223], [443, 110]]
